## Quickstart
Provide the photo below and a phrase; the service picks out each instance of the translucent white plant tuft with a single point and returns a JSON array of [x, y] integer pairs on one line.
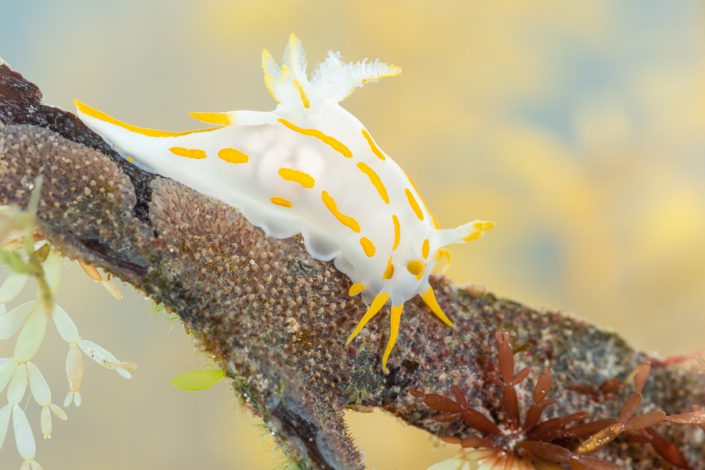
[[27, 256]]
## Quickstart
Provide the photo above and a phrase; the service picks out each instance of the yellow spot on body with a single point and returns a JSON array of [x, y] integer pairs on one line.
[[372, 145], [416, 267], [101, 116], [478, 228], [346, 220], [188, 153], [281, 202], [375, 307], [425, 249], [131, 159], [356, 289], [304, 179], [212, 118], [326, 139], [397, 231], [232, 155], [394, 321], [430, 299], [302, 94], [414, 205], [368, 247], [375, 180], [389, 272]]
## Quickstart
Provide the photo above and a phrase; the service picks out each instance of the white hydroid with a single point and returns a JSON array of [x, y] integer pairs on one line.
[[30, 323]]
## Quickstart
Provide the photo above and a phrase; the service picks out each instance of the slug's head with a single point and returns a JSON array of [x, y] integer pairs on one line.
[[332, 81]]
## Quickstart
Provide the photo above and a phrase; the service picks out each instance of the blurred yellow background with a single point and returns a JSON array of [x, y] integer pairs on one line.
[[579, 127]]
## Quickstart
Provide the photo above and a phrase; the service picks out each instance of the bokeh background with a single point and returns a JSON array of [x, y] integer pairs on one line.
[[578, 126]]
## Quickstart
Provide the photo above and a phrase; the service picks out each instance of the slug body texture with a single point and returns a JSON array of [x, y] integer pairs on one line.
[[309, 167]]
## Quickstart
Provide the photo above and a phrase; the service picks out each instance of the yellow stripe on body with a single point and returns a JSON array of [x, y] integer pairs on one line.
[[389, 272], [188, 153], [414, 204], [232, 155], [397, 231], [375, 180], [326, 139], [368, 247], [436, 225], [302, 94], [212, 118], [101, 116], [346, 220], [281, 202], [304, 179], [425, 249], [372, 145]]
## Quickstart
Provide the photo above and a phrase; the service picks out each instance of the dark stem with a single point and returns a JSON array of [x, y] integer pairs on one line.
[[277, 320]]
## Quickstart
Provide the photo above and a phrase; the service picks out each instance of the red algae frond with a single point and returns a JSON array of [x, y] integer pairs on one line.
[[566, 440]]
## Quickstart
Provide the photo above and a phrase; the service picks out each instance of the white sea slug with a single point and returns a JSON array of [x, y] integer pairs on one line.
[[310, 167]]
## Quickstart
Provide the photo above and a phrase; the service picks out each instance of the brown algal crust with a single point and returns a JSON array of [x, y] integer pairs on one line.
[[21, 103], [277, 320]]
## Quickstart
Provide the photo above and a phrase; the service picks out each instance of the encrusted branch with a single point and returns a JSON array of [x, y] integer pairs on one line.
[[276, 320]]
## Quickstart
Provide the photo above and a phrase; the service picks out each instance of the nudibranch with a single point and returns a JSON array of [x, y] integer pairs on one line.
[[310, 167]]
